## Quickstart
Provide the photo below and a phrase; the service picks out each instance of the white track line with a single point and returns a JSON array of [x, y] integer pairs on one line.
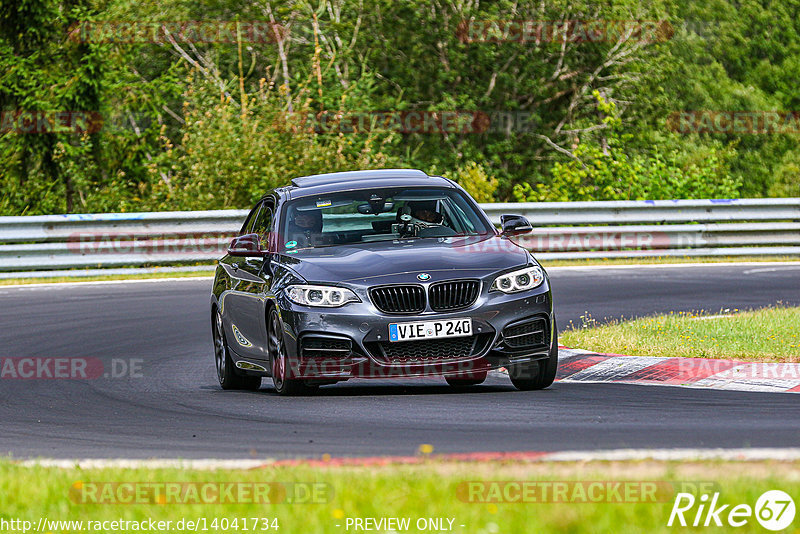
[[783, 267], [106, 282], [164, 463], [765, 264]]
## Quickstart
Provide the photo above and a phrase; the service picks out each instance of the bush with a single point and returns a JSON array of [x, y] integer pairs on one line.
[[230, 154], [608, 172], [787, 177], [475, 181]]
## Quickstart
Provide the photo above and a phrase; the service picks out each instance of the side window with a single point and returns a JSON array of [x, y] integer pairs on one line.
[[247, 227], [263, 222]]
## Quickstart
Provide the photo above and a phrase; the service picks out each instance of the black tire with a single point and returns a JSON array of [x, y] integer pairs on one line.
[[279, 363], [539, 374], [228, 375], [467, 379]]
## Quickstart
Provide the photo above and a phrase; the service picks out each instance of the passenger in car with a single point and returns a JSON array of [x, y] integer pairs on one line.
[[305, 228]]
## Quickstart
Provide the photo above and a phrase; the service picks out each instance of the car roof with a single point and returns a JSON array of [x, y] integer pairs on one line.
[[350, 180], [347, 176]]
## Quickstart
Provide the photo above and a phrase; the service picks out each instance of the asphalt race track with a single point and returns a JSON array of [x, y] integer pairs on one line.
[[175, 408]]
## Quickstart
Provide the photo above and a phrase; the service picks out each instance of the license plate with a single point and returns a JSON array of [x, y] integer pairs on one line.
[[430, 329]]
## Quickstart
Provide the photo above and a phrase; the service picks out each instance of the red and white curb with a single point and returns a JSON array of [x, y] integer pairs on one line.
[[612, 455], [583, 366]]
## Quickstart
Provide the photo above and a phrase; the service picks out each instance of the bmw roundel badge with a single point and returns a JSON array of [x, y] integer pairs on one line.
[[423, 277]]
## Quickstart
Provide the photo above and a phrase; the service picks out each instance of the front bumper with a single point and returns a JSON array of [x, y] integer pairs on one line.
[[352, 341]]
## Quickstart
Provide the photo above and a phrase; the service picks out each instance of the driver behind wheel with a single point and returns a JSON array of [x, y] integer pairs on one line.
[[425, 213]]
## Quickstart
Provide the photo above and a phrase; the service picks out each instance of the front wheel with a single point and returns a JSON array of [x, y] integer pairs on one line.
[[539, 374], [279, 360], [227, 374]]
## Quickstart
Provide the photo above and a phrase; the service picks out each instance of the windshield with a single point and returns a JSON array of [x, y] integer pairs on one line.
[[351, 217]]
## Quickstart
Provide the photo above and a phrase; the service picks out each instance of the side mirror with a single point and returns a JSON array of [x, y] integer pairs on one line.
[[246, 245], [515, 225]]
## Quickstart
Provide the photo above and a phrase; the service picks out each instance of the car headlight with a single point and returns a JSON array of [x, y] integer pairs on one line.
[[324, 296], [520, 280]]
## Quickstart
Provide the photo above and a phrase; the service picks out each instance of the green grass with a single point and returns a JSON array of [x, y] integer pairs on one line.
[[142, 276], [769, 334], [429, 489]]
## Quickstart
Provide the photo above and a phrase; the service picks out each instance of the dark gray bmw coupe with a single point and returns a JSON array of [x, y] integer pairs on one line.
[[377, 274]]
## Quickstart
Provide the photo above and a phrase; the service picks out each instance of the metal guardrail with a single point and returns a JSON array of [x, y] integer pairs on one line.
[[562, 230]]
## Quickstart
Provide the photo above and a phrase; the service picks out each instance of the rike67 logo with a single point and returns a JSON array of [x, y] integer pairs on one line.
[[774, 510]]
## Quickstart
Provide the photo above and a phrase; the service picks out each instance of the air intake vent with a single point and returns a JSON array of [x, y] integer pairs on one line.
[[398, 299], [526, 335], [315, 346], [430, 350], [453, 295]]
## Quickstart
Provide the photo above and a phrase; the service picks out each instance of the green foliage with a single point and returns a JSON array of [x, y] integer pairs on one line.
[[43, 75], [787, 177], [203, 125], [602, 170], [475, 181], [227, 156]]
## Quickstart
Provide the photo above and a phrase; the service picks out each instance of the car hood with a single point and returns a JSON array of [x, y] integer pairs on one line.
[[403, 259]]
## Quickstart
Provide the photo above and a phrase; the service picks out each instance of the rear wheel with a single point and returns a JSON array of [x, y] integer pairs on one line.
[[279, 360], [227, 374], [467, 379], [539, 374]]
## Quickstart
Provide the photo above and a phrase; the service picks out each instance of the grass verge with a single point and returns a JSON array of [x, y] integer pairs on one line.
[[112, 277], [432, 489], [769, 334]]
